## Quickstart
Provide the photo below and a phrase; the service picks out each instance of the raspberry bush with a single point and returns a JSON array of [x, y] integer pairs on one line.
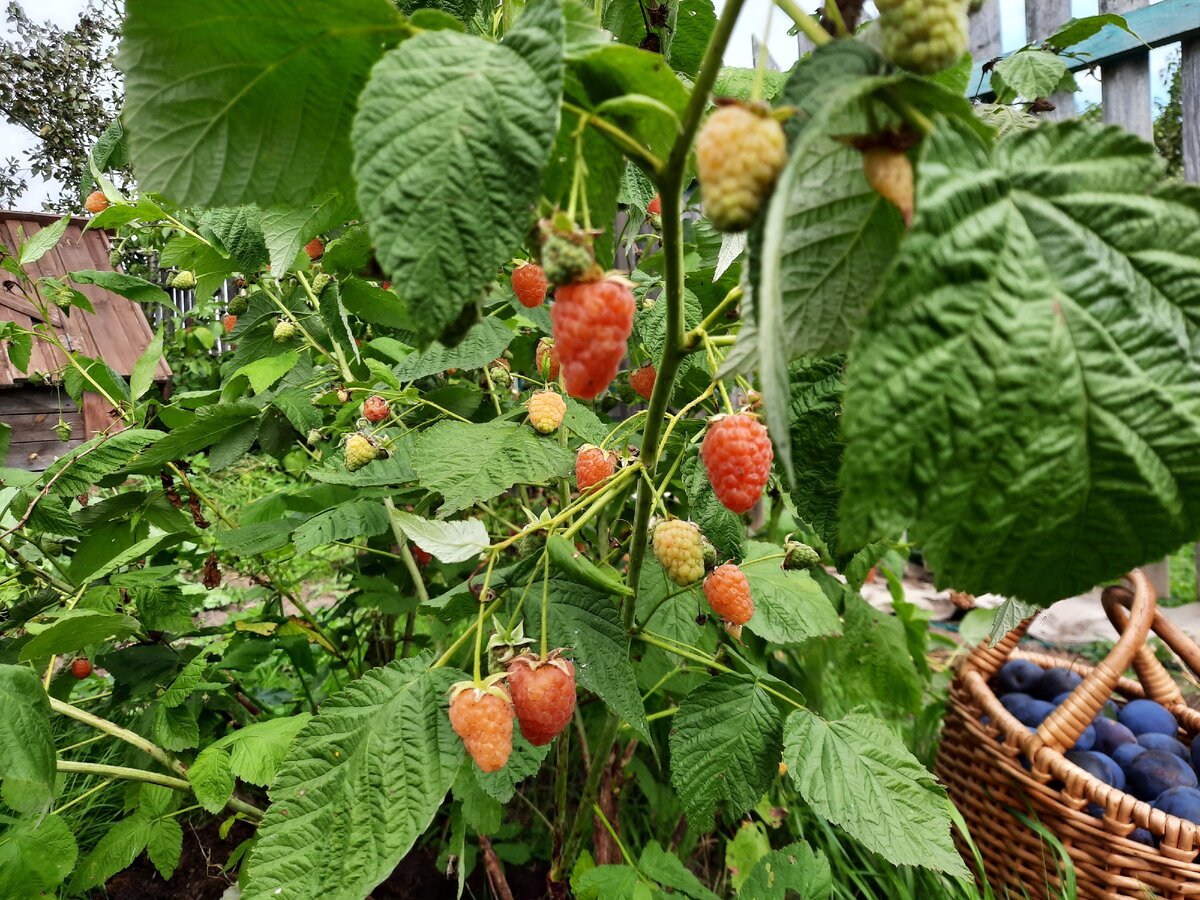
[[557, 566]]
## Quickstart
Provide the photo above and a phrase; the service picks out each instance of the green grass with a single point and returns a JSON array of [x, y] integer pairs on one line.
[[1183, 577]]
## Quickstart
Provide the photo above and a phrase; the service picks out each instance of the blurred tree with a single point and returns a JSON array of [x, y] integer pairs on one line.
[[61, 86]]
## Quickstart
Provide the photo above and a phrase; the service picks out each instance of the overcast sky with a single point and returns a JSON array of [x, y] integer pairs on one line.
[[753, 21]]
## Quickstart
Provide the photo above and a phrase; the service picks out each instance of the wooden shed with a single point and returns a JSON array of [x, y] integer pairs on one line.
[[116, 333]]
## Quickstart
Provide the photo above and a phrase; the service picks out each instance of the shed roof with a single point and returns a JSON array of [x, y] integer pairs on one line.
[[117, 332]]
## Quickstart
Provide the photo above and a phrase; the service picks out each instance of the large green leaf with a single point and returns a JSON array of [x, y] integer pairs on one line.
[[450, 139], [210, 425], [789, 607], [139, 290], [450, 542], [872, 663], [360, 784], [794, 871], [589, 624], [815, 423], [1034, 359], [26, 745], [286, 229], [857, 774], [355, 518], [483, 343], [501, 455], [35, 856], [76, 629], [228, 103], [724, 747]]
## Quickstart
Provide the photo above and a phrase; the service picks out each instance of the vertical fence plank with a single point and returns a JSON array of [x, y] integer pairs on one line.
[[985, 31], [1190, 63], [1042, 19], [1125, 85]]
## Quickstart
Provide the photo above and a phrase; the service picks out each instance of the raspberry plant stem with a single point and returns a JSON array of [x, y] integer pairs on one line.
[[483, 594], [670, 189], [806, 23]]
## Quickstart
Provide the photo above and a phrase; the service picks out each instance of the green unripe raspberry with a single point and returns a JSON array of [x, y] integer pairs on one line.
[[923, 36], [238, 304], [184, 280], [285, 330], [320, 282], [799, 556], [567, 257]]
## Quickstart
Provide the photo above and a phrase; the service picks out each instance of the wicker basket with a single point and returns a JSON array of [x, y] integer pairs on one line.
[[981, 766]]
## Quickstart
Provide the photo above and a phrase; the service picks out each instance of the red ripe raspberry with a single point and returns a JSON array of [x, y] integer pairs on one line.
[[547, 359], [315, 248], [655, 207], [592, 322], [543, 694], [546, 410], [81, 668], [229, 322], [422, 558], [96, 202], [529, 284], [592, 466], [642, 380], [728, 593], [737, 453], [484, 721], [375, 409]]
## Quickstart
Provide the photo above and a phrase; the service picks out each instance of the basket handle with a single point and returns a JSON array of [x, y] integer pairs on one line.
[[1159, 684], [1062, 728]]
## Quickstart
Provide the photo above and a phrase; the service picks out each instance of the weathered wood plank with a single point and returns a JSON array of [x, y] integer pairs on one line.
[[36, 456], [985, 31], [1125, 82], [1159, 24], [23, 401], [1190, 73], [40, 426]]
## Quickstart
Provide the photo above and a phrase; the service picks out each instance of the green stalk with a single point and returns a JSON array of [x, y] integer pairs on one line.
[[670, 189]]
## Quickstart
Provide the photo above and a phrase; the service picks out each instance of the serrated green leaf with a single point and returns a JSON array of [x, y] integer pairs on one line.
[[525, 762], [262, 373], [450, 139], [288, 228], [210, 266], [789, 607], [76, 629], [209, 426], [722, 527], [872, 661], [742, 854], [139, 290], [360, 784], [1008, 486], [483, 343], [794, 870], [1029, 73], [164, 845], [450, 542], [143, 370], [724, 748], [502, 454], [216, 137], [27, 760], [1078, 30], [481, 811], [255, 538], [857, 774], [42, 242], [237, 232], [669, 871], [589, 624], [814, 420], [35, 855], [352, 519], [608, 883], [256, 751], [185, 682], [1009, 615], [117, 850], [175, 728], [211, 777]]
